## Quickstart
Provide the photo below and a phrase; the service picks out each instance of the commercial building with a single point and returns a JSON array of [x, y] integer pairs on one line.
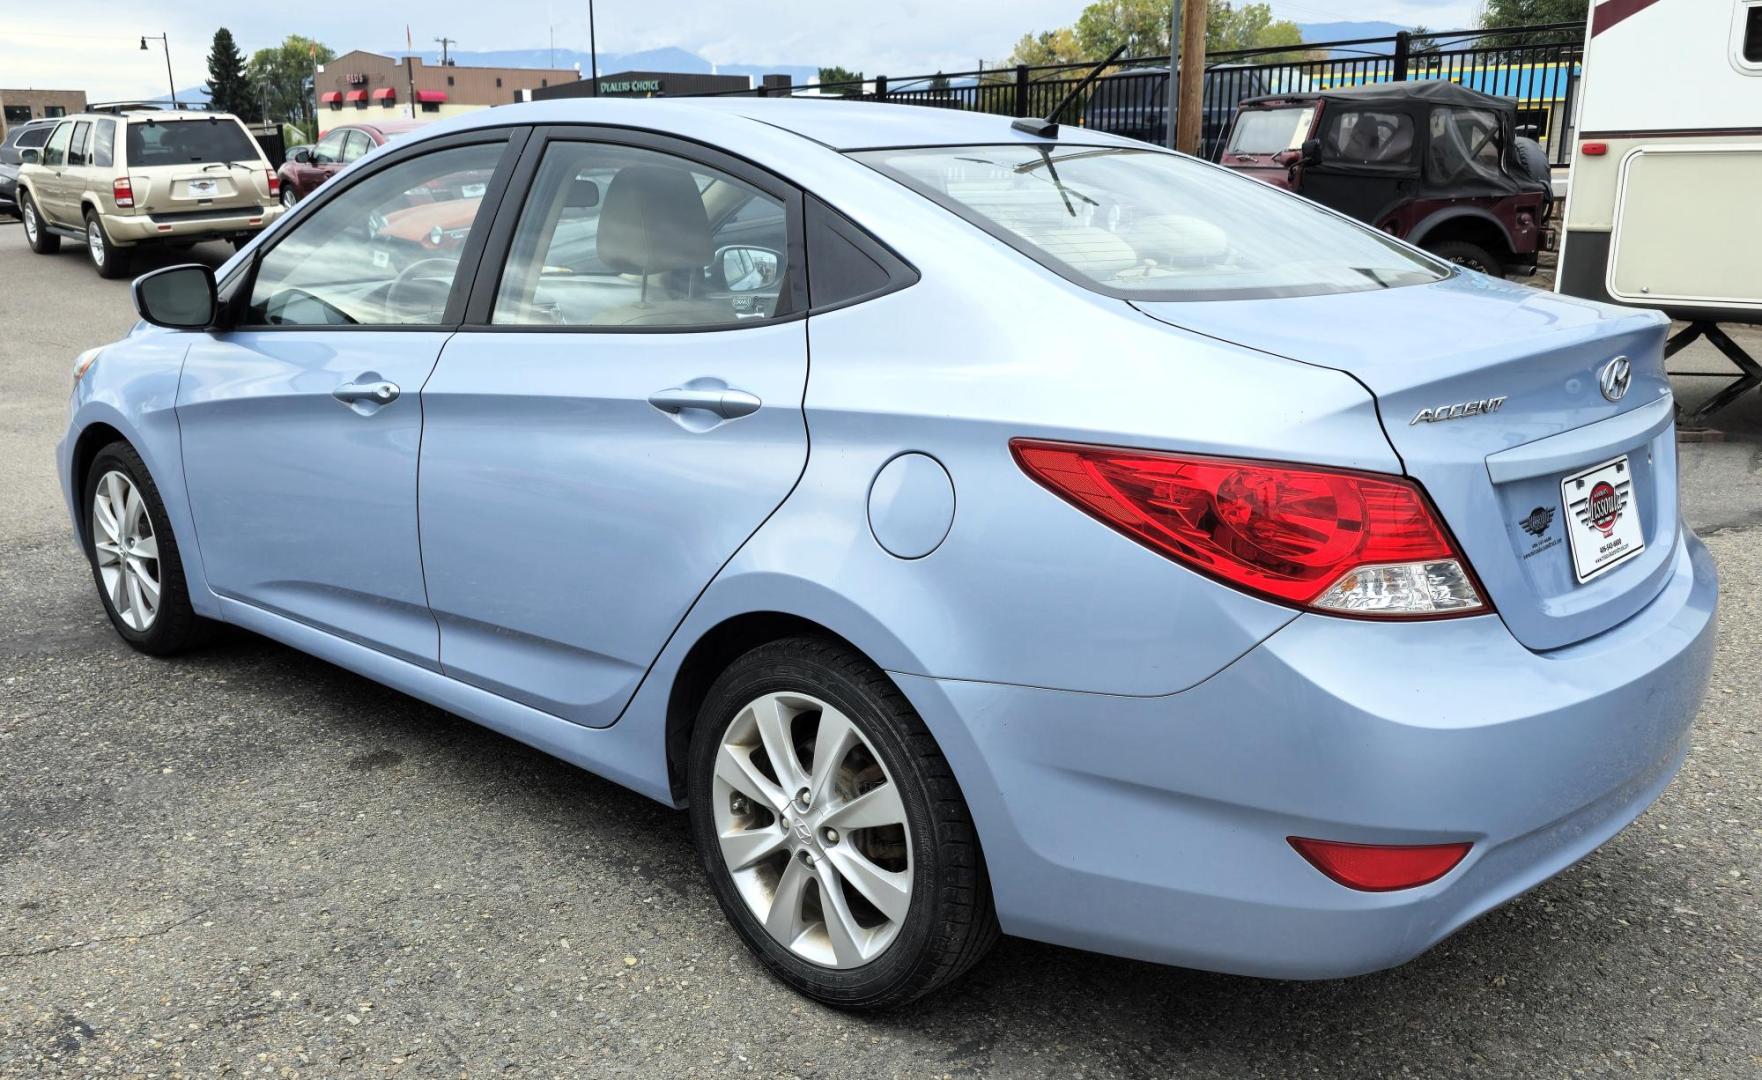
[[361, 82], [17, 106], [644, 84]]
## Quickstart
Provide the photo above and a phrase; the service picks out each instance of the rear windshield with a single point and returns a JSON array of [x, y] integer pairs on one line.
[[1268, 131], [1148, 225], [182, 142]]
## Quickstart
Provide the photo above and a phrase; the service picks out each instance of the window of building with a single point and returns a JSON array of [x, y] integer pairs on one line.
[[54, 110], [498, 82], [449, 80], [18, 114], [544, 82]]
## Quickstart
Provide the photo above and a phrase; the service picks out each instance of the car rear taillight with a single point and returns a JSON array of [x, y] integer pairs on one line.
[[274, 185], [1380, 867], [122, 189], [1330, 540]]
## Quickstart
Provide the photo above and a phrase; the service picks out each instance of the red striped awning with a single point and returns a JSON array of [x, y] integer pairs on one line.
[[431, 97], [385, 93], [330, 97], [355, 95]]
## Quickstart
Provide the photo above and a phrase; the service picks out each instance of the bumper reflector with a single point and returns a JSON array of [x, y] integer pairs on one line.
[[1380, 867]]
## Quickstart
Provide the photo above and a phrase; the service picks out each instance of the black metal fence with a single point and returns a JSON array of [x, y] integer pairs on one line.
[[1539, 66]]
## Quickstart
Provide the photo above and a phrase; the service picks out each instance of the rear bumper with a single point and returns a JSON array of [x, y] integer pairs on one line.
[[125, 230], [1156, 828]]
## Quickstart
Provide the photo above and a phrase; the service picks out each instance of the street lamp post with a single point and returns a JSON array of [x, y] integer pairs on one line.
[[593, 51], [169, 80]]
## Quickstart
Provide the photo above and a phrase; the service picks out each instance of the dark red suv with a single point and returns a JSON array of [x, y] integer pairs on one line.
[[306, 168]]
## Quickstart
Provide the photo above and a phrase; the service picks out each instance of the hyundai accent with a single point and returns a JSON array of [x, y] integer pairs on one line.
[[977, 527]]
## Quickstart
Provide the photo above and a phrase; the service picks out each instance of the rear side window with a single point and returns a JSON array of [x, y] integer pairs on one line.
[[1465, 146], [845, 264], [1149, 225], [1368, 137], [104, 144], [34, 137], [184, 142], [76, 151]]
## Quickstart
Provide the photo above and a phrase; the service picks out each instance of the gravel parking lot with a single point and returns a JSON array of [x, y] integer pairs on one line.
[[250, 862]]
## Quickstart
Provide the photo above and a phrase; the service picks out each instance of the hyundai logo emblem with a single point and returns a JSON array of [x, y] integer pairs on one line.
[[1615, 377]]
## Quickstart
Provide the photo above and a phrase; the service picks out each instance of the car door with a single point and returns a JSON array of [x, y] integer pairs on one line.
[[48, 181], [621, 423], [326, 159], [301, 424], [78, 174]]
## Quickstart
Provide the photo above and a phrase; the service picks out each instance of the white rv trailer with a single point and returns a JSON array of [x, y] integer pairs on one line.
[[1665, 205]]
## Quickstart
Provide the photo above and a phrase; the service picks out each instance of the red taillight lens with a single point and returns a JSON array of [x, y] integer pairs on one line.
[[274, 185], [122, 190], [1341, 541], [1381, 867]]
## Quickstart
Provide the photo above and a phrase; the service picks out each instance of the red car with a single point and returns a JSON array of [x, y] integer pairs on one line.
[[305, 169]]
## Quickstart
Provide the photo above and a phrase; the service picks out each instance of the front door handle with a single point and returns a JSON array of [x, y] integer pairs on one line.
[[729, 404], [371, 389]]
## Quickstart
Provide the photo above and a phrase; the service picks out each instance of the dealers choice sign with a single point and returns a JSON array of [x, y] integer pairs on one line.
[[630, 86]]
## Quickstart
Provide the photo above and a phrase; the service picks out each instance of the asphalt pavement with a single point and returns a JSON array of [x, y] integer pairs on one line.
[[248, 862]]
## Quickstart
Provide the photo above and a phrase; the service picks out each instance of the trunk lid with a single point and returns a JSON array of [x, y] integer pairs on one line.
[[1496, 471]]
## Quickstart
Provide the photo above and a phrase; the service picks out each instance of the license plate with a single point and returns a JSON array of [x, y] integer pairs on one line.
[[1602, 522], [204, 189]]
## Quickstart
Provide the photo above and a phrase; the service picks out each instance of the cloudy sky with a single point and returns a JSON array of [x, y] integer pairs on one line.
[[94, 45]]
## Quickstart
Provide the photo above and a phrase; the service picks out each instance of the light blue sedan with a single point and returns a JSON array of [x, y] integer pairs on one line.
[[978, 529]]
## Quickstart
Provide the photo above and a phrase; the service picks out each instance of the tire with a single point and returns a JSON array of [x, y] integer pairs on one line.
[[946, 920], [36, 230], [173, 626], [1463, 253], [289, 197], [1533, 161], [109, 260]]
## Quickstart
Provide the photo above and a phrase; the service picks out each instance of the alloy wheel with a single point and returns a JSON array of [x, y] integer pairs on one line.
[[127, 550], [30, 221], [812, 829], [288, 198], [95, 241]]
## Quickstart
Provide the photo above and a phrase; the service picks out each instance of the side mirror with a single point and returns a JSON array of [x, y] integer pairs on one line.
[[1311, 152], [178, 297], [30, 156], [301, 156], [747, 269]]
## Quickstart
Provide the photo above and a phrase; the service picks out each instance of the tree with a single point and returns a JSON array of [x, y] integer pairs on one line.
[[841, 81], [1529, 13], [228, 88], [283, 77], [1142, 26]]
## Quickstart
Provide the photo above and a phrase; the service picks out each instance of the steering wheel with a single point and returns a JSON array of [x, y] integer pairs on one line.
[[428, 283]]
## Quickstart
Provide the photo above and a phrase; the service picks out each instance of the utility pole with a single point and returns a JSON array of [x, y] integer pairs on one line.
[[1174, 54], [444, 42], [1188, 116], [593, 51]]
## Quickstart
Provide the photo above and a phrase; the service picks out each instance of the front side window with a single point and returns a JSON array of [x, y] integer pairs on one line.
[[1368, 137], [329, 150], [618, 236], [55, 153], [1269, 131], [382, 253], [186, 142], [1465, 146], [1149, 225]]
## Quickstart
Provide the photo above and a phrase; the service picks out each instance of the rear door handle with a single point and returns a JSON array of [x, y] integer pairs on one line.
[[370, 389], [729, 404]]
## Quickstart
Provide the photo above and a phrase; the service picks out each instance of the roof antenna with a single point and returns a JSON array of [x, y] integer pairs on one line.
[[1048, 128]]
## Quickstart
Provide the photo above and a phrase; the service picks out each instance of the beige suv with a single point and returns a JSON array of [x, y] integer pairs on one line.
[[116, 183]]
